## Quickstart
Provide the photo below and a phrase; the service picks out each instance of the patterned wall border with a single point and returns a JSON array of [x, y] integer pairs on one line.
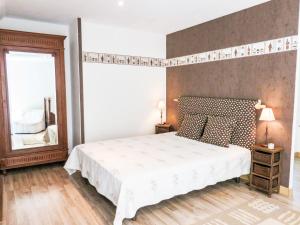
[[92, 57], [259, 48]]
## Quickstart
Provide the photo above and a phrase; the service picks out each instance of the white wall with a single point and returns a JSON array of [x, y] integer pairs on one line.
[[296, 116], [119, 100], [296, 127], [48, 28]]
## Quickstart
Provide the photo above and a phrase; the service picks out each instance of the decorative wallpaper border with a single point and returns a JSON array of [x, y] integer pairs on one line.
[[259, 48], [278, 45], [92, 57]]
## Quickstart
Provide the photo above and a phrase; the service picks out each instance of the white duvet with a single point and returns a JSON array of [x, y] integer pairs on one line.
[[140, 171], [32, 122]]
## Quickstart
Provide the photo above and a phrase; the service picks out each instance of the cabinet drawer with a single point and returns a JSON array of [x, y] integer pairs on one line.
[[263, 183], [265, 157], [265, 170]]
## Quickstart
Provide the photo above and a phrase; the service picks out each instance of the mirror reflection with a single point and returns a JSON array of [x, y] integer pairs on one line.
[[32, 99]]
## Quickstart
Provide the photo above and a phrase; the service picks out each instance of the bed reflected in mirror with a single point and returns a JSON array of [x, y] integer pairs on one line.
[[32, 99]]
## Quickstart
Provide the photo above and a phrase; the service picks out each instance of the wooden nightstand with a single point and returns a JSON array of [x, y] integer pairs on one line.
[[162, 128], [265, 169]]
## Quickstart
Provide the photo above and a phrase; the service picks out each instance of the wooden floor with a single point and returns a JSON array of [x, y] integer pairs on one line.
[[47, 195]]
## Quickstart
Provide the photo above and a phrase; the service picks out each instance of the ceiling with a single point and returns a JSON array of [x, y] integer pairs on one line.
[[159, 16]]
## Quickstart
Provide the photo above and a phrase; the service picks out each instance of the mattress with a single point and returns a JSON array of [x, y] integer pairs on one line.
[[144, 170]]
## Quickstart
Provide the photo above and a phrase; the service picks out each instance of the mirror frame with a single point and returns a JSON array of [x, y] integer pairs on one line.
[[35, 43]]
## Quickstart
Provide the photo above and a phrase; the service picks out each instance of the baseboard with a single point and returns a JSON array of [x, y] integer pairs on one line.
[[286, 191], [297, 154]]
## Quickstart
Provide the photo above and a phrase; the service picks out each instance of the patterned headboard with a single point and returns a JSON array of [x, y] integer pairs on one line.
[[242, 109]]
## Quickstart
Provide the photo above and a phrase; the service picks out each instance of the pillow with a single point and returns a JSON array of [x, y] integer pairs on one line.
[[218, 130], [192, 126]]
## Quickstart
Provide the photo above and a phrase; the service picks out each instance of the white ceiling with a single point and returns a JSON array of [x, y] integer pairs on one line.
[[159, 16]]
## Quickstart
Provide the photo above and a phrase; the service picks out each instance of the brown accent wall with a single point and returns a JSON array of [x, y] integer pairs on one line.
[[270, 78]]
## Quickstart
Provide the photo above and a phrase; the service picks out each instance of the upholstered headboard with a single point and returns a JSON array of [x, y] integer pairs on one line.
[[242, 109]]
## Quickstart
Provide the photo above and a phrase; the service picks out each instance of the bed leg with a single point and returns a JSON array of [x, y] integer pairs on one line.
[[134, 218], [237, 180]]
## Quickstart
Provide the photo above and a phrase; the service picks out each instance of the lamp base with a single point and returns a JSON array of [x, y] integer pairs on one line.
[[267, 133]]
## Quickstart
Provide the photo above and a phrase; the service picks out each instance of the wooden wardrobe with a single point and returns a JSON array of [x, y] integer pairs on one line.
[[32, 70]]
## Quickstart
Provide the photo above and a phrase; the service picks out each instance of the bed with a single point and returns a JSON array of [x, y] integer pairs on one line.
[[32, 122], [43, 138], [139, 171]]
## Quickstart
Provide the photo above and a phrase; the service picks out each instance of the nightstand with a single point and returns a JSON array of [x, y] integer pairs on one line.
[[162, 128], [265, 169]]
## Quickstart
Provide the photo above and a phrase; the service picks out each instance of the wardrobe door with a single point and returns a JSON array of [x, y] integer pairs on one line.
[[33, 110]]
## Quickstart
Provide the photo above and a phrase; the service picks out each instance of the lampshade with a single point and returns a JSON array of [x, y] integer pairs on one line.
[[161, 104], [267, 115]]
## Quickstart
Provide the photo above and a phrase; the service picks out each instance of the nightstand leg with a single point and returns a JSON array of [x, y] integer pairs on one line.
[[237, 180], [270, 194]]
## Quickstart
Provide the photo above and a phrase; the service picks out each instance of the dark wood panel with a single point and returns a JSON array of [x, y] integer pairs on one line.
[[82, 133], [34, 159], [29, 39]]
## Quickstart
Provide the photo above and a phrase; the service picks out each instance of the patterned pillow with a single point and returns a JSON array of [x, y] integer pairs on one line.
[[192, 126], [218, 130]]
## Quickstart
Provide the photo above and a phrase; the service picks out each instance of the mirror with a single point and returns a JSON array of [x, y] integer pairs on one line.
[[32, 99]]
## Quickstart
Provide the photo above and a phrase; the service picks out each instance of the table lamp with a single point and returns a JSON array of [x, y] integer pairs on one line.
[[267, 115], [161, 106]]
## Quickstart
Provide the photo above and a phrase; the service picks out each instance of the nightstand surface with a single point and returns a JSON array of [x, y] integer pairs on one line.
[[162, 128], [266, 149]]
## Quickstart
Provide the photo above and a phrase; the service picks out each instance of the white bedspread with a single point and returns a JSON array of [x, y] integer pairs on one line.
[[140, 171]]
